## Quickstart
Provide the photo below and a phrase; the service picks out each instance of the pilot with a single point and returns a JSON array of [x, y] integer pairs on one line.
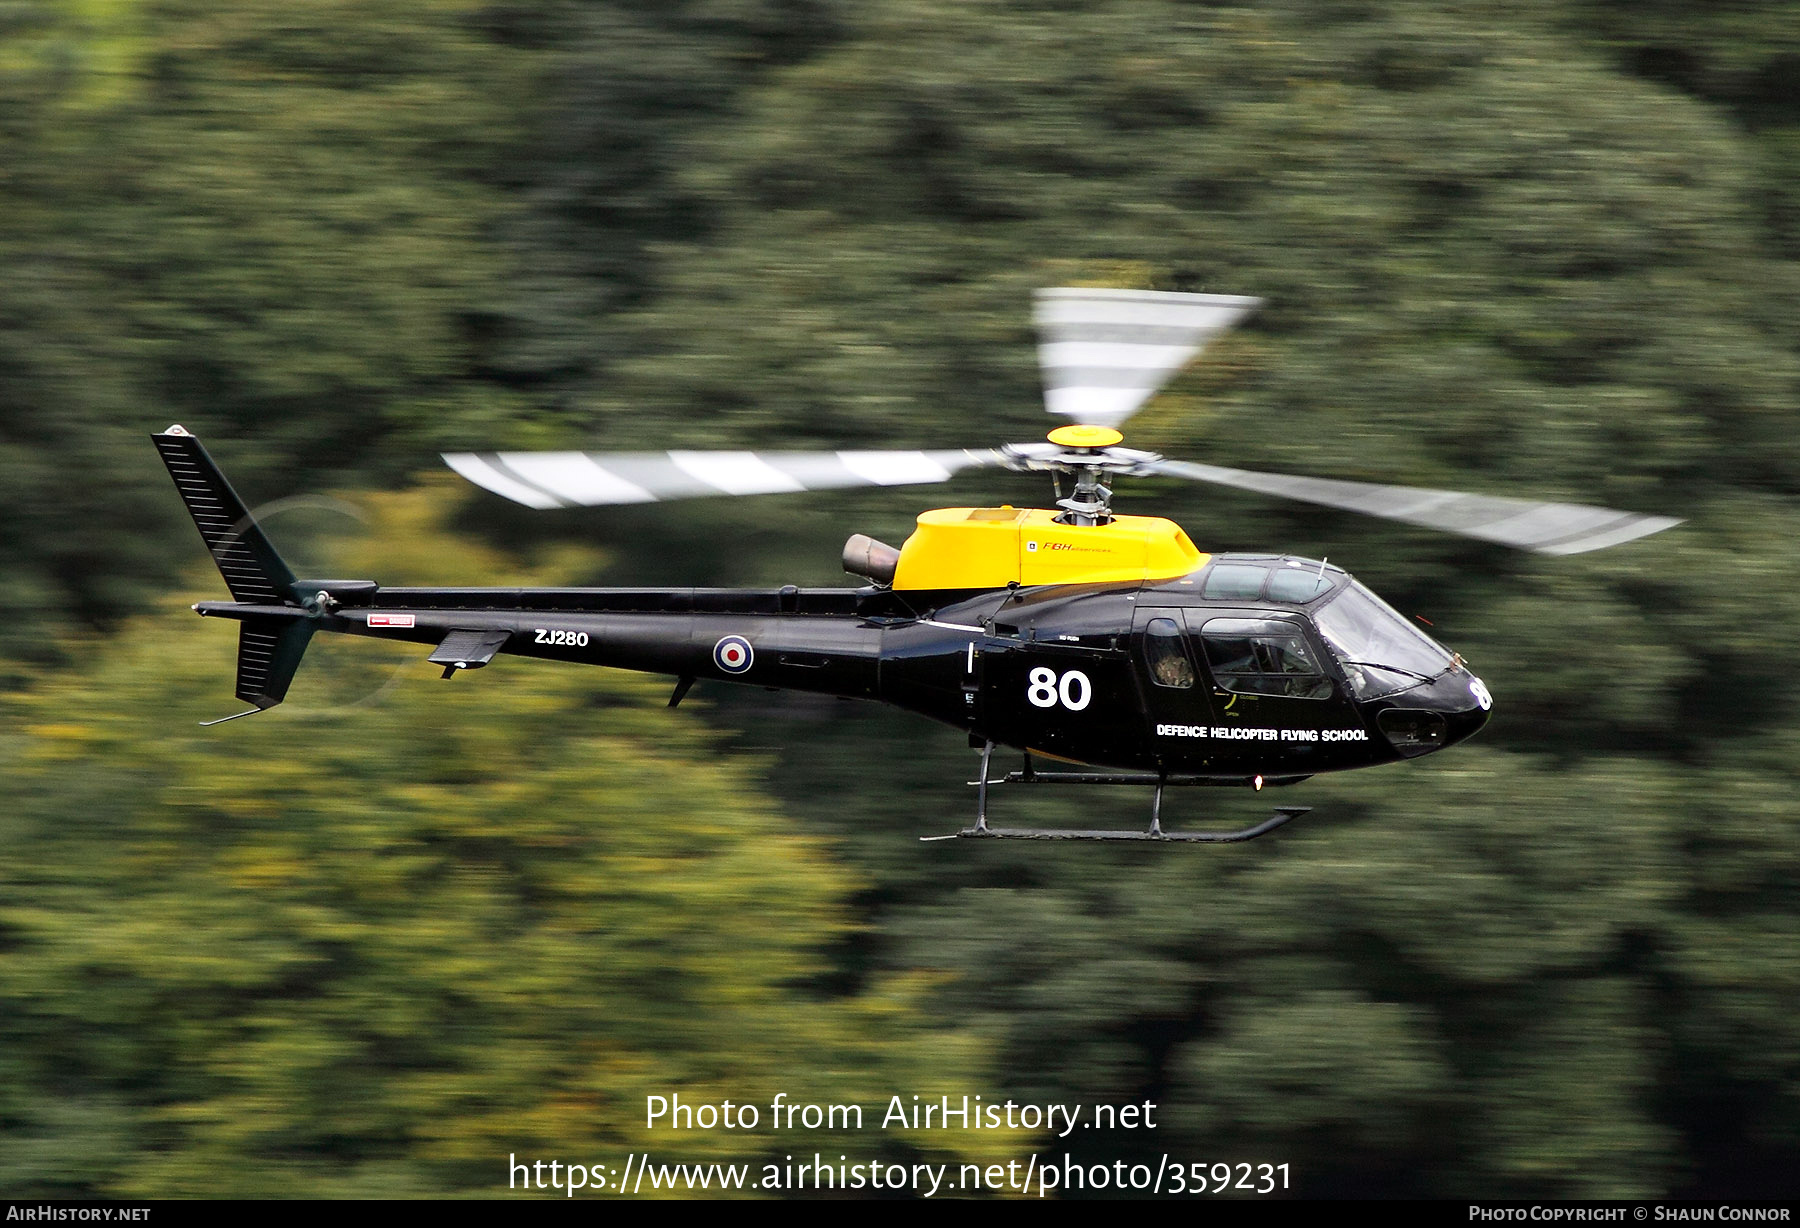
[[1172, 669]]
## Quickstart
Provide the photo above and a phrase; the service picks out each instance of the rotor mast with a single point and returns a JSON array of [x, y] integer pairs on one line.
[[1091, 504], [1092, 456]]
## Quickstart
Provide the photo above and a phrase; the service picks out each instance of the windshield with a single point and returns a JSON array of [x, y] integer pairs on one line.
[[1381, 652]]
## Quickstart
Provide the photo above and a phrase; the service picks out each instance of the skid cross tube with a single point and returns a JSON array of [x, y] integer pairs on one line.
[[1155, 834], [1030, 777]]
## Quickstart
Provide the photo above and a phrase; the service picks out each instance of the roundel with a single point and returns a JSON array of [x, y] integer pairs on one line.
[[733, 654]]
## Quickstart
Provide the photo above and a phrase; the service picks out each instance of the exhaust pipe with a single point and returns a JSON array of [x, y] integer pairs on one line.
[[873, 560]]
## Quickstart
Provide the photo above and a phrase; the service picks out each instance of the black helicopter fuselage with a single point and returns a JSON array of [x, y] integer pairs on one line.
[[1156, 676], [1231, 669]]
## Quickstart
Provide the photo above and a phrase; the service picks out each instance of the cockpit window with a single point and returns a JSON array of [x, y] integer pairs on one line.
[[1298, 584], [1254, 656], [1229, 581], [1294, 580], [1381, 652], [1170, 665]]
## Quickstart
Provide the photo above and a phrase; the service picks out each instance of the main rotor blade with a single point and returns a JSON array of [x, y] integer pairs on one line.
[[1547, 528], [592, 479], [1105, 352]]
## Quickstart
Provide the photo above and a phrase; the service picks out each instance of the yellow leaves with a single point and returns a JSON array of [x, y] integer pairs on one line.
[[59, 742], [60, 733], [251, 871]]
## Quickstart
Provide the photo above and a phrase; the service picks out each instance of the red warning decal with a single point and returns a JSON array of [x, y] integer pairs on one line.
[[390, 620]]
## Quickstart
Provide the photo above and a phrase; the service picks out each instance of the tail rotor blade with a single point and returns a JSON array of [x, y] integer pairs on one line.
[[1546, 528]]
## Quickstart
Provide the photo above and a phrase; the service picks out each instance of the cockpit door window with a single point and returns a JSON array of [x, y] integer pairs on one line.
[[1255, 656], [1165, 649]]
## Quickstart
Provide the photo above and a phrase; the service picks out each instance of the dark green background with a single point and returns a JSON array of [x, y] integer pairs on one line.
[[371, 945]]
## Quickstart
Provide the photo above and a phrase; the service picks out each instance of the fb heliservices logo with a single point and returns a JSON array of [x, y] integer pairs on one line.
[[733, 654]]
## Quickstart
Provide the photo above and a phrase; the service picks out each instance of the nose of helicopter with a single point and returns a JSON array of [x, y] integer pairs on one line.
[[1449, 709]]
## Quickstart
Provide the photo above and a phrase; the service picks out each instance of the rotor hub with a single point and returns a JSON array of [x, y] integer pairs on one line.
[[1085, 436], [1087, 453]]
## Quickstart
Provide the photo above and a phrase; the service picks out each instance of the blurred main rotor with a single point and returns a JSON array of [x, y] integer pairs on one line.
[[1103, 354]]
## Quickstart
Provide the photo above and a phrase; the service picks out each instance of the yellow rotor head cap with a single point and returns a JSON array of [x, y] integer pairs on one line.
[[1085, 436]]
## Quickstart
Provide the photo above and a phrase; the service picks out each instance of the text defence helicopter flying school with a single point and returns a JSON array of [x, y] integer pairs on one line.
[[1105, 640]]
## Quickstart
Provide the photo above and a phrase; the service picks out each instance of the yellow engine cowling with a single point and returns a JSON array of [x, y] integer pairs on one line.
[[990, 547]]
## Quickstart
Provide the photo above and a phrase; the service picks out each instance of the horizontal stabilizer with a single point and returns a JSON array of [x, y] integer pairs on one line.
[[469, 649]]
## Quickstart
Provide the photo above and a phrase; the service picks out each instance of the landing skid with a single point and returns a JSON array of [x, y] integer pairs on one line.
[[1155, 834]]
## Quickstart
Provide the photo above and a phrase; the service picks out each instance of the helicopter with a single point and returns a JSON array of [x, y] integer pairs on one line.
[[1108, 645]]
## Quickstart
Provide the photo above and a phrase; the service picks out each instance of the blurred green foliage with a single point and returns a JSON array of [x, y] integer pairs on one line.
[[465, 922], [1537, 249]]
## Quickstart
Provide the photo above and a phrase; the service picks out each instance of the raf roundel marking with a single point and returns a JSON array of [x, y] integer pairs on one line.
[[733, 654]]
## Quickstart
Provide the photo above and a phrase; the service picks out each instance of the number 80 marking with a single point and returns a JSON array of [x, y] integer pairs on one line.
[[1072, 691]]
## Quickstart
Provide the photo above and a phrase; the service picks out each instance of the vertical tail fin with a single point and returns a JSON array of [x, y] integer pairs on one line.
[[253, 572], [269, 645], [269, 651]]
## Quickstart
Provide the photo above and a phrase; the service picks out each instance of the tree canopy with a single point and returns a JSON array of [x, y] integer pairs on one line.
[[1545, 250], [385, 936]]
